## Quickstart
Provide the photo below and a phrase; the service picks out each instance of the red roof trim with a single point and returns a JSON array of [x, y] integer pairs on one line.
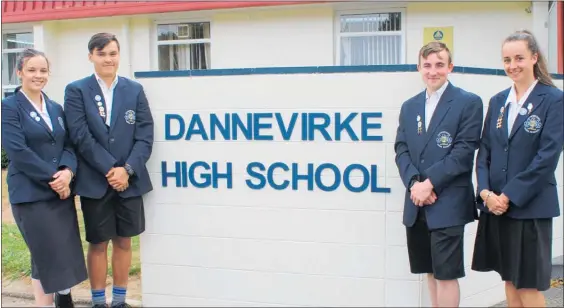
[[15, 11]]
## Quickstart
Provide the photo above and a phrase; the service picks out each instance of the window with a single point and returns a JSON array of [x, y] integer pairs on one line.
[[12, 46], [183, 46], [370, 39]]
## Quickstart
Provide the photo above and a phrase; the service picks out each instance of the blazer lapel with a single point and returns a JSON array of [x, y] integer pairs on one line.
[[440, 111], [96, 98], [53, 115], [117, 103], [30, 110], [535, 98], [420, 110]]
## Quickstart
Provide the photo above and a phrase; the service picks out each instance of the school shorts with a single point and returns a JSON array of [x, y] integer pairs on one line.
[[439, 251], [112, 216]]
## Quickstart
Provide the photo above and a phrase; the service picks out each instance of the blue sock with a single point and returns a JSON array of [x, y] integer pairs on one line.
[[118, 295], [99, 297]]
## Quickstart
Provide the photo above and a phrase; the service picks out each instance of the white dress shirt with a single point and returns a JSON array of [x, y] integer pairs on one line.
[[513, 105], [108, 96], [431, 102], [43, 111]]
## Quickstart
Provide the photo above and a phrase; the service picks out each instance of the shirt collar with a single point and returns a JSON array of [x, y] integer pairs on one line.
[[512, 97], [102, 83], [43, 106], [439, 92]]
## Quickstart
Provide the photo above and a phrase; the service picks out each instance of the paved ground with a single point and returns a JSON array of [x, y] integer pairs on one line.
[[554, 296]]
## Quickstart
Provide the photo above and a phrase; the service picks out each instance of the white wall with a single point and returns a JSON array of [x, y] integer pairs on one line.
[[243, 247], [282, 36], [553, 40]]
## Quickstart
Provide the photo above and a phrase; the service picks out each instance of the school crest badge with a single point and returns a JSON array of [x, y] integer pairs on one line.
[[444, 140], [533, 124], [130, 117]]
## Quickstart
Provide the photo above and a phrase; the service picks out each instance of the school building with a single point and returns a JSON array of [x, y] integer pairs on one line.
[[270, 212]]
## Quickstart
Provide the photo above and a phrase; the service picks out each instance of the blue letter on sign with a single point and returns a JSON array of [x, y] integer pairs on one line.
[[168, 118]]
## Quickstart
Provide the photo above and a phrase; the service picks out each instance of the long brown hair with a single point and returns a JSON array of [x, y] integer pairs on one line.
[[540, 69]]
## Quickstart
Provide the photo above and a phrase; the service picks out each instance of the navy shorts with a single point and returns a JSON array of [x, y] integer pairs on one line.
[[112, 216], [439, 251]]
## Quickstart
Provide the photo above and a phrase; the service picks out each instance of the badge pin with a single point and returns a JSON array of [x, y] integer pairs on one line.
[[499, 122], [522, 111], [97, 97], [99, 104], [37, 119], [418, 118], [33, 114], [530, 107], [61, 122]]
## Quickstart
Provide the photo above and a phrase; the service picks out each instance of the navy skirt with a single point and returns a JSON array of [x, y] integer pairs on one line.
[[50, 230], [519, 250]]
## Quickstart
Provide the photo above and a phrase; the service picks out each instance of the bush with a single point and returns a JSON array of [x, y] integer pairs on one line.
[[5, 159]]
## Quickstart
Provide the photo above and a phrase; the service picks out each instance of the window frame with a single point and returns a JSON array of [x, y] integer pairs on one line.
[[10, 87], [368, 10], [156, 43]]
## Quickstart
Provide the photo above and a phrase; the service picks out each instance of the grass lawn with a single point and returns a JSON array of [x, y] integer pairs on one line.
[[15, 255]]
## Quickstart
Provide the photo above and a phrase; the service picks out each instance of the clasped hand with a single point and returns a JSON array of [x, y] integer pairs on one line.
[[118, 178], [496, 204], [61, 183], [422, 193]]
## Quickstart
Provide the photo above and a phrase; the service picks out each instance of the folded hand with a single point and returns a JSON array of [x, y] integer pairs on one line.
[[118, 178]]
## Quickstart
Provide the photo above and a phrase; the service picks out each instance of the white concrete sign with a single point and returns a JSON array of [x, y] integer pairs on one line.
[[282, 190]]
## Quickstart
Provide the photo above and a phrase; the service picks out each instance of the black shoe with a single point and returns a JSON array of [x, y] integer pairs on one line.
[[121, 305], [63, 300], [100, 306]]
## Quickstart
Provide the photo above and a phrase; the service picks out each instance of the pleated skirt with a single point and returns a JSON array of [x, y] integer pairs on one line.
[[519, 250], [50, 230]]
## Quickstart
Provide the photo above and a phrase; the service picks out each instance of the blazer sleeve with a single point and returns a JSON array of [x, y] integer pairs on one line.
[[528, 183], [80, 134], [144, 131], [68, 158], [20, 155], [461, 157], [483, 158], [406, 168]]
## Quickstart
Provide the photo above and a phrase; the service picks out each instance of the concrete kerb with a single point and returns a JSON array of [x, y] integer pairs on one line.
[[76, 300]]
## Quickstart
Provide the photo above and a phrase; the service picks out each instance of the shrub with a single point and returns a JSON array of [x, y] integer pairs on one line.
[[5, 159]]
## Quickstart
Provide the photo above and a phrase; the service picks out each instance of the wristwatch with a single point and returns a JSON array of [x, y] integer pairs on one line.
[[129, 170]]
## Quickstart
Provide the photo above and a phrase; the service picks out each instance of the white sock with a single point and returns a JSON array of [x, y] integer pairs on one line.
[[64, 292]]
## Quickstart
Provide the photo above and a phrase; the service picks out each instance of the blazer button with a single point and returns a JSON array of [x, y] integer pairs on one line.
[[422, 161], [504, 170], [54, 160], [52, 143], [505, 149], [111, 140]]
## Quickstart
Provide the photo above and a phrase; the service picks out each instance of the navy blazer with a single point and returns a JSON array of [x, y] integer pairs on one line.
[[444, 154], [522, 165], [35, 152], [129, 139]]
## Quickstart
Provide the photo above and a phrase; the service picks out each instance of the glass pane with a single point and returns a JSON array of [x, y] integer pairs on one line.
[[371, 50], [184, 57], [371, 22], [9, 76], [184, 31], [8, 93], [17, 40]]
